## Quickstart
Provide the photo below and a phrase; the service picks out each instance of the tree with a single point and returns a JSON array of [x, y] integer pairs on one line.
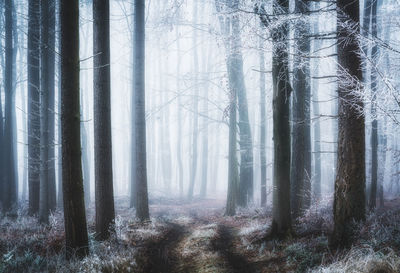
[[47, 174], [349, 199], [374, 127], [102, 119], [44, 114], [10, 180], [193, 168], [317, 125], [34, 105], [233, 44], [246, 140], [263, 127], [281, 216], [232, 158], [74, 207], [301, 130], [140, 171]]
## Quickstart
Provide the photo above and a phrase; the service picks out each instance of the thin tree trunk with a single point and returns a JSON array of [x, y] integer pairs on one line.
[[74, 206], [317, 126], [263, 127], [374, 128], [142, 205], [195, 130], [178, 90], [51, 107], [349, 201]]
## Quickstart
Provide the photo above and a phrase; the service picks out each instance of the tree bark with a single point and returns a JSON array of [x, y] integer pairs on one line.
[[34, 106], [281, 226], [74, 207], [263, 127], [375, 126], [102, 119], [142, 205], [349, 201], [10, 182], [301, 130]]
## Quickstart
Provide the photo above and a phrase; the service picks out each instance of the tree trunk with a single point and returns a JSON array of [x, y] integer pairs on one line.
[[349, 202], [102, 119], [301, 134], [281, 216], [178, 88], [142, 205], [374, 128], [44, 114], [74, 206], [193, 168], [263, 127], [232, 158], [51, 107], [10, 182], [33, 106], [317, 126]]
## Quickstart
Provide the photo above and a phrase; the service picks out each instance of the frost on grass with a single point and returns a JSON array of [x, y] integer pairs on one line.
[[364, 260]]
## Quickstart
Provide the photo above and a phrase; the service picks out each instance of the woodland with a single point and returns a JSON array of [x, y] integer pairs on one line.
[[180, 136]]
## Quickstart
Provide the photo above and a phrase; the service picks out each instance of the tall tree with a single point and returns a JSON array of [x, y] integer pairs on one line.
[[102, 119], [47, 155], [34, 105], [74, 207], [9, 182], [349, 201], [51, 58], [246, 141], [317, 125], [140, 171], [193, 168], [44, 114], [281, 216], [374, 127], [233, 44], [232, 157], [301, 130], [263, 127]]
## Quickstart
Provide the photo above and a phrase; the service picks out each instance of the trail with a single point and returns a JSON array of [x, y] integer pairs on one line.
[[160, 256], [223, 243]]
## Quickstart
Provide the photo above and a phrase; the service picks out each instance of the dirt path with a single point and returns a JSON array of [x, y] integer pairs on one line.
[[160, 256], [223, 243]]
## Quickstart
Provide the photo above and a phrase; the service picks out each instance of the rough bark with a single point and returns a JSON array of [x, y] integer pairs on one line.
[[44, 210], [301, 130], [9, 182], [349, 200], [142, 205], [74, 207], [104, 197], [374, 127], [281, 216], [33, 106]]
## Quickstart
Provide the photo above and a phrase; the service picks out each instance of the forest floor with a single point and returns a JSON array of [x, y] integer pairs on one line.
[[194, 236]]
